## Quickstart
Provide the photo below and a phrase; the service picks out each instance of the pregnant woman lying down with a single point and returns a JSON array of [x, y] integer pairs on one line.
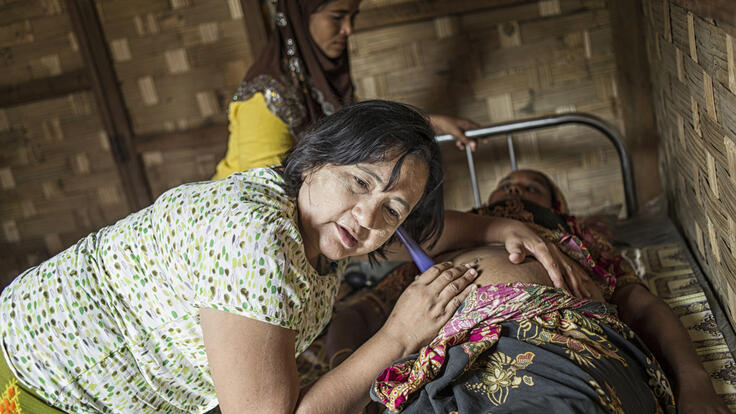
[[517, 344]]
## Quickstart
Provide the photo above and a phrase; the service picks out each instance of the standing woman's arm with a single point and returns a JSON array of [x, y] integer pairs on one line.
[[254, 369]]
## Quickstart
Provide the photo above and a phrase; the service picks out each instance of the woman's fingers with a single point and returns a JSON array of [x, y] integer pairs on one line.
[[456, 127], [428, 303], [575, 274], [455, 285], [431, 274], [572, 279], [456, 301], [518, 245], [460, 139], [560, 268], [564, 275], [516, 250], [451, 287], [541, 251], [461, 125], [455, 281], [449, 278]]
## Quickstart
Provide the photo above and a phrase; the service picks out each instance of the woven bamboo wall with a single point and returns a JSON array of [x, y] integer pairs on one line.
[[506, 62], [58, 180], [178, 63], [36, 41], [694, 80]]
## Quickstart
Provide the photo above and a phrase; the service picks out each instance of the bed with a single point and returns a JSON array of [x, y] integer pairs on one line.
[[650, 240]]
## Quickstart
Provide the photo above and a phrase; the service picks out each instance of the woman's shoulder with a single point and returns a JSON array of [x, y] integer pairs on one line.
[[256, 193], [259, 191], [280, 96]]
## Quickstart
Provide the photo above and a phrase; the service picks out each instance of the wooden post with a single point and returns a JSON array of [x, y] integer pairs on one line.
[[46, 88], [416, 10], [722, 11], [92, 45], [635, 95]]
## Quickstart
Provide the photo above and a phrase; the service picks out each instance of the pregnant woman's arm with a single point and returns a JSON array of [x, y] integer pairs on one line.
[[662, 331]]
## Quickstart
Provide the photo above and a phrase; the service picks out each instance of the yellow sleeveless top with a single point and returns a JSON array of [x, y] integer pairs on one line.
[[258, 138]]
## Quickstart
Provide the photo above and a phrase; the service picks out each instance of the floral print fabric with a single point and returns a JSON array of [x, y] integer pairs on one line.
[[525, 348], [112, 323], [475, 326]]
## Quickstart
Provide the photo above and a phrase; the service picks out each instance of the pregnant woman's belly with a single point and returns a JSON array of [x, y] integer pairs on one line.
[[494, 267]]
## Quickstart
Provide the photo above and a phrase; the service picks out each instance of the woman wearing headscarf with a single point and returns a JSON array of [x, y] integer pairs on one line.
[[302, 75]]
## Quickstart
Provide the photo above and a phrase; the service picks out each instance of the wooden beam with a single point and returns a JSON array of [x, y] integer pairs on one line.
[[722, 11], [92, 45], [46, 88], [205, 136], [255, 26], [635, 95], [417, 10]]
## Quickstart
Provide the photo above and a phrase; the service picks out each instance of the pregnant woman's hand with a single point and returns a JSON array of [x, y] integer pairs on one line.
[[521, 240], [428, 303]]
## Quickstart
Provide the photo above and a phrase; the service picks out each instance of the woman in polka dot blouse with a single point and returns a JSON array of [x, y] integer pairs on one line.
[[208, 295]]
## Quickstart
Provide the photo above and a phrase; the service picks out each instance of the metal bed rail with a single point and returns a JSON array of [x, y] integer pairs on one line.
[[508, 128]]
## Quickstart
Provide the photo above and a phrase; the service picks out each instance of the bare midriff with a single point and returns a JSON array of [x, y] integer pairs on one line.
[[494, 267]]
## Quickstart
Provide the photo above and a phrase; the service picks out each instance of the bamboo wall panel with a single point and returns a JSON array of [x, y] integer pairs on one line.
[[36, 41], [179, 63], [58, 179], [694, 92], [506, 61]]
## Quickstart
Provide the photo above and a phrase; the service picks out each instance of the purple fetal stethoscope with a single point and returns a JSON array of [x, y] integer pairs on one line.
[[421, 259]]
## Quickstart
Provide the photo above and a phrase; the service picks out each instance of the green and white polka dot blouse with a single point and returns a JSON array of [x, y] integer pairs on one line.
[[112, 323]]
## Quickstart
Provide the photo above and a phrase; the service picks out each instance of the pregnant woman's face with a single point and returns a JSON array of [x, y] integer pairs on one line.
[[331, 25], [524, 184]]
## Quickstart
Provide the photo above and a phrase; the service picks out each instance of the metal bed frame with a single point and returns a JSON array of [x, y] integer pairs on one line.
[[508, 128]]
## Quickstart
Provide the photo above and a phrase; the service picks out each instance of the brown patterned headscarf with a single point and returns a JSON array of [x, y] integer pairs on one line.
[[293, 60]]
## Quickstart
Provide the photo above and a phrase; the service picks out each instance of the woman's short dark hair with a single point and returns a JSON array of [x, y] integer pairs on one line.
[[368, 132]]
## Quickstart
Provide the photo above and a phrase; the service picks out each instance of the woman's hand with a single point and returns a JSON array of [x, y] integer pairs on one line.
[[443, 124], [428, 303], [521, 240]]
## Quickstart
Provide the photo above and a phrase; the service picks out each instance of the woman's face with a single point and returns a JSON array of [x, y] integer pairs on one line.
[[345, 210], [524, 184], [331, 25]]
